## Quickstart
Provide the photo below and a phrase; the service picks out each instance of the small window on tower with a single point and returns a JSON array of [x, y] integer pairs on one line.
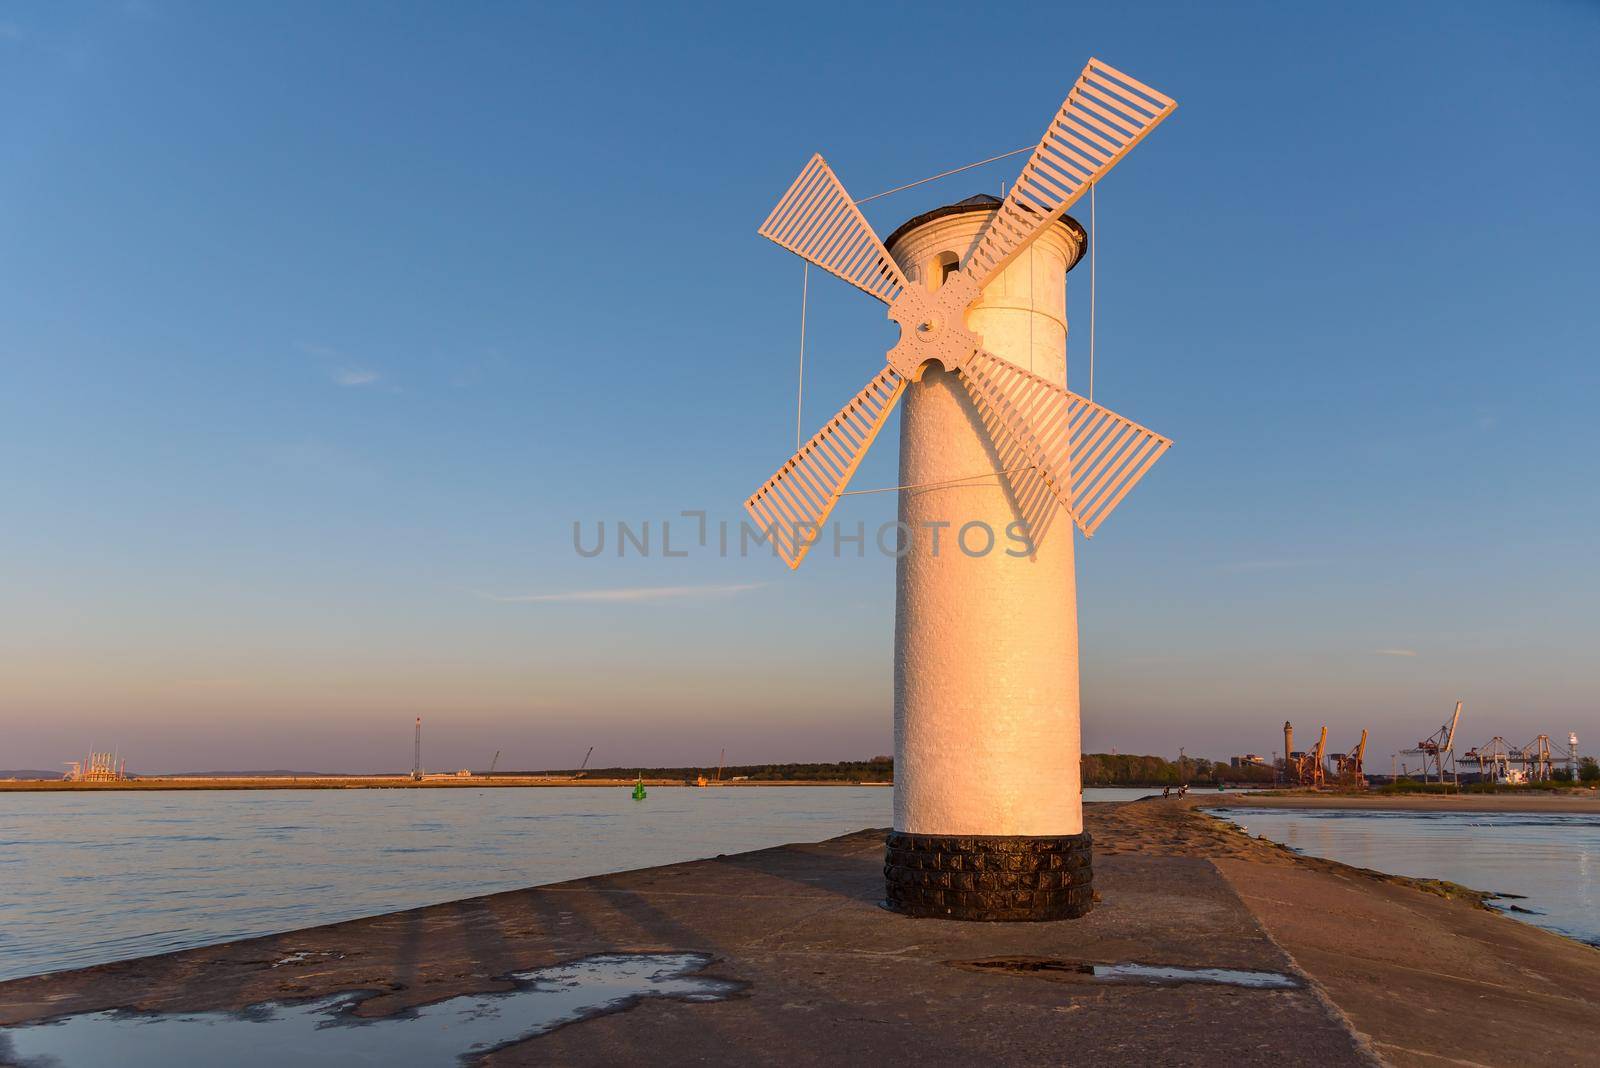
[[944, 265]]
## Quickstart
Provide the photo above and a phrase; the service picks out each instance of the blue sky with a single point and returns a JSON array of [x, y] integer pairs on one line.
[[322, 324]]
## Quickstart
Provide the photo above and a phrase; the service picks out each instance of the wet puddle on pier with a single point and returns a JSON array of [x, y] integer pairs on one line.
[[326, 1031], [1156, 973], [1126, 972]]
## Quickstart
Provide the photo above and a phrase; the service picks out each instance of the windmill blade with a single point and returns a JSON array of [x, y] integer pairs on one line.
[[1092, 457], [817, 221], [794, 503], [1028, 469], [1104, 116]]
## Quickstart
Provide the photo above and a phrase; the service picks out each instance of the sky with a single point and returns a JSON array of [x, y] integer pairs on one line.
[[322, 325]]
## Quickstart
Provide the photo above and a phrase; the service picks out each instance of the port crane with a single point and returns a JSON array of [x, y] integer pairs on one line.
[[1536, 759], [584, 767], [100, 767], [1501, 762], [1439, 748], [721, 757], [1494, 759], [1305, 768], [1349, 769]]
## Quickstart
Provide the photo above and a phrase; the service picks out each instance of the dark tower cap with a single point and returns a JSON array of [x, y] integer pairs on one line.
[[985, 202]]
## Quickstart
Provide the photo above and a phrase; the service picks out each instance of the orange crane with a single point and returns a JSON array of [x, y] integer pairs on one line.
[[1304, 768], [703, 781], [1349, 768]]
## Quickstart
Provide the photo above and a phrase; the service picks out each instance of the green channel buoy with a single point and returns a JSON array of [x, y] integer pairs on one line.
[[638, 789]]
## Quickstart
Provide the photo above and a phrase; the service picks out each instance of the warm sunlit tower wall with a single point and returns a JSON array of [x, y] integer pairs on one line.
[[986, 716]]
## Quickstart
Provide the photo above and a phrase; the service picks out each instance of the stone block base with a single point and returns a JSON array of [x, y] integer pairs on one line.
[[989, 877]]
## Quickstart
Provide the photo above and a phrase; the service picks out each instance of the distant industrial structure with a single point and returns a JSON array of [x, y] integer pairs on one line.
[[99, 767], [1349, 769], [1438, 750], [703, 781], [416, 754], [1500, 762], [1496, 761], [1304, 766], [1317, 767]]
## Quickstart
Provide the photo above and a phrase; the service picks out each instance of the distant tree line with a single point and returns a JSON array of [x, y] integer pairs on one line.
[[1099, 769], [877, 769], [1128, 769], [1588, 771]]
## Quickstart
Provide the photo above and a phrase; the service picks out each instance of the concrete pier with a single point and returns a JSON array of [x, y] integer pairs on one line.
[[1380, 967]]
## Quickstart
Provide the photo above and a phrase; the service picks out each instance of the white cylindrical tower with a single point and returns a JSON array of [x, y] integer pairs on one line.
[[988, 814]]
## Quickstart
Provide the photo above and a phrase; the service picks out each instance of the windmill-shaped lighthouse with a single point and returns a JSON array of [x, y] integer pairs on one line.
[[988, 814]]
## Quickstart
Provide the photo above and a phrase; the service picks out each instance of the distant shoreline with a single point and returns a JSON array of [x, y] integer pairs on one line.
[[385, 782], [1574, 802], [428, 782]]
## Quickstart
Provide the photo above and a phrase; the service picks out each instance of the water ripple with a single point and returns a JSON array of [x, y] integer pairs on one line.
[[1550, 863], [273, 861]]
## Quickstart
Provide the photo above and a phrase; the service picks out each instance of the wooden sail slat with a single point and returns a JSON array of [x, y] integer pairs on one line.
[[823, 466], [817, 220], [1100, 110], [1092, 521], [1106, 70], [1087, 469], [1130, 460], [1124, 100]]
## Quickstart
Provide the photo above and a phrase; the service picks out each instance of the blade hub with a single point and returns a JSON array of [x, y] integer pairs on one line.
[[932, 327]]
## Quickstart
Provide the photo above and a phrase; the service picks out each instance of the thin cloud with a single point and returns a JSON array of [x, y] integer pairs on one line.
[[355, 376], [1395, 652], [626, 595], [339, 367]]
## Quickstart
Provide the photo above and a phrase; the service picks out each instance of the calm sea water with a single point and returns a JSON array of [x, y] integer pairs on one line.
[[1551, 860], [93, 877]]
